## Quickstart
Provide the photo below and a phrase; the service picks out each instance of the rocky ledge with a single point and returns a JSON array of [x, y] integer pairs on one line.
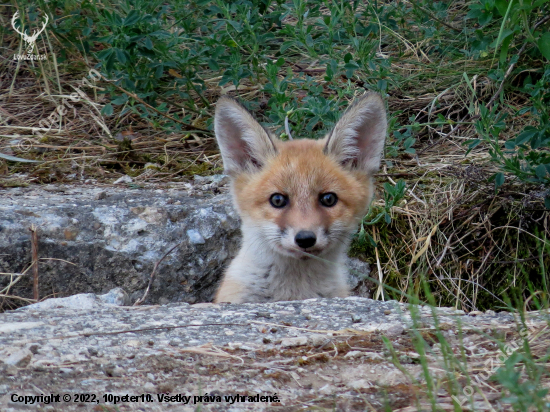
[[94, 238], [325, 354]]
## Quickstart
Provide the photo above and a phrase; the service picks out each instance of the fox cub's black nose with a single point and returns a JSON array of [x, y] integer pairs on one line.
[[305, 239]]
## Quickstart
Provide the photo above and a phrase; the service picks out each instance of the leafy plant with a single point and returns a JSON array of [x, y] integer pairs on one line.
[[516, 18], [392, 197], [403, 138], [522, 394], [527, 155]]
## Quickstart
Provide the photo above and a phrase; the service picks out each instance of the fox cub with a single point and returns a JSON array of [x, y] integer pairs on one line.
[[300, 201]]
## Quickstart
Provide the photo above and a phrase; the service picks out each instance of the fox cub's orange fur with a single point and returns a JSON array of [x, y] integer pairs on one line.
[[296, 199]]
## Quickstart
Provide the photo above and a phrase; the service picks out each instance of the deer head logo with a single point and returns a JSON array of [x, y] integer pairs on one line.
[[29, 40]]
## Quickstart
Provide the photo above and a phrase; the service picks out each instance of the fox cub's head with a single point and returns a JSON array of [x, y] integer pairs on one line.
[[302, 195]]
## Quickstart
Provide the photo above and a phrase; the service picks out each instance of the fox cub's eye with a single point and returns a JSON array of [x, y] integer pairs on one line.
[[278, 200], [328, 199]]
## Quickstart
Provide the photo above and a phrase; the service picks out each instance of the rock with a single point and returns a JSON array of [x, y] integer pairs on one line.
[[356, 318], [360, 384], [317, 340], [114, 371], [100, 239], [394, 331], [20, 358], [149, 387], [123, 179], [87, 301], [183, 349], [353, 354], [81, 301], [358, 271], [219, 180], [116, 296], [292, 342], [405, 359]]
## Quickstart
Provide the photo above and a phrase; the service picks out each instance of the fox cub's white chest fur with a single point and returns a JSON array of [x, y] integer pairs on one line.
[[297, 199]]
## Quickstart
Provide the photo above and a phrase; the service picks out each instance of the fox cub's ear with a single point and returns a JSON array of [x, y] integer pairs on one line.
[[243, 142], [358, 137]]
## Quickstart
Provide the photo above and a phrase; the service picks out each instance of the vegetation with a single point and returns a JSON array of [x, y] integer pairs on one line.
[[464, 187], [467, 85]]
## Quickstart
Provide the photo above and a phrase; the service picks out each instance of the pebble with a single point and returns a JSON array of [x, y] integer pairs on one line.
[[149, 387], [394, 331], [327, 389], [353, 354], [356, 318], [360, 384], [21, 358], [123, 179], [292, 342], [317, 340]]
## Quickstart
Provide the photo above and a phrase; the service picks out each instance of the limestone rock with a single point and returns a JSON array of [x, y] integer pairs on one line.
[[86, 301], [194, 350], [20, 358], [102, 237]]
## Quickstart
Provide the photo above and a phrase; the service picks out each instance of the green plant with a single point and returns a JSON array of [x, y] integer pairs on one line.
[[403, 138], [523, 394], [392, 197], [516, 19], [523, 22], [526, 156], [504, 362], [135, 43]]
